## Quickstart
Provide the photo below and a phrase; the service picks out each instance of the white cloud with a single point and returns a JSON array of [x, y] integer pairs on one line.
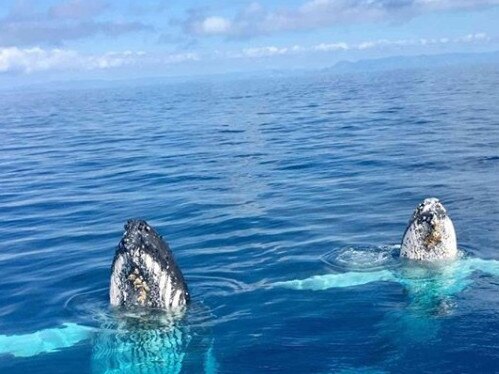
[[471, 38], [256, 20], [215, 25], [265, 51], [327, 47], [25, 25], [268, 51], [29, 60], [179, 58], [112, 60]]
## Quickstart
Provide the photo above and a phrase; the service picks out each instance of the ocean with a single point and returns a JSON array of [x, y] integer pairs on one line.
[[252, 182]]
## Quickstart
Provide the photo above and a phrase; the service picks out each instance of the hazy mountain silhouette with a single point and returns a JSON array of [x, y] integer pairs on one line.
[[419, 61]]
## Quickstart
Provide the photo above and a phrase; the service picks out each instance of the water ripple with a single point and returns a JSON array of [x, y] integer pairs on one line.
[[253, 182]]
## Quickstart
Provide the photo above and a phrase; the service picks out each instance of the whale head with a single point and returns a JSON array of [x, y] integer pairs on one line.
[[144, 272], [430, 235]]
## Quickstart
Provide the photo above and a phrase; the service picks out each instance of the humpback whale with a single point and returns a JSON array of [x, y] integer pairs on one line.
[[430, 235], [144, 272], [431, 268], [146, 333]]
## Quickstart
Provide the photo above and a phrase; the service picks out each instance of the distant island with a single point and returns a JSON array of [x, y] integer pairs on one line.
[[416, 62]]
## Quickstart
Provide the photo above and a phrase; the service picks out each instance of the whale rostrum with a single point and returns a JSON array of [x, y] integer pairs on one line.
[[430, 235]]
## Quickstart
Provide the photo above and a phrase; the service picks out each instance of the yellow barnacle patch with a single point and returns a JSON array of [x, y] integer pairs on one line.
[[140, 286], [434, 236]]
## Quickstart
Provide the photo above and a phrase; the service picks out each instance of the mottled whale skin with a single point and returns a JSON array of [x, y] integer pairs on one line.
[[146, 334], [144, 272], [430, 235]]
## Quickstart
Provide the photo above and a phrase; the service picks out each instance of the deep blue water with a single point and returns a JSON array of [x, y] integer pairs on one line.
[[252, 182]]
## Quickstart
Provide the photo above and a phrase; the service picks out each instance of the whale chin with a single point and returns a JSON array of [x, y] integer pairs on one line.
[[430, 235], [144, 272]]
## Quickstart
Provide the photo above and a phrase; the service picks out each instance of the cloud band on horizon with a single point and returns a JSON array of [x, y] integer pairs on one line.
[[31, 60]]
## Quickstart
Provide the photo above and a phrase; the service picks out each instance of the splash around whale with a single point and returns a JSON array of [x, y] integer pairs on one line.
[[430, 266]]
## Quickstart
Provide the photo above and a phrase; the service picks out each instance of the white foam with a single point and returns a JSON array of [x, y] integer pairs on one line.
[[365, 258]]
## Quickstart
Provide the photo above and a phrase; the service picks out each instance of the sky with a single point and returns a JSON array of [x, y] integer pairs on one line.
[[115, 39]]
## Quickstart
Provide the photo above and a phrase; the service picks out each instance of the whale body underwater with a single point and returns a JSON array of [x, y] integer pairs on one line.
[[145, 277], [432, 269], [146, 333]]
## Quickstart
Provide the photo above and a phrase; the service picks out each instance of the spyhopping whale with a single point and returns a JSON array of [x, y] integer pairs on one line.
[[144, 273], [431, 268], [146, 333]]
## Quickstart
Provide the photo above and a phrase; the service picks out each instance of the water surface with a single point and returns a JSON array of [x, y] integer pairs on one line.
[[253, 182]]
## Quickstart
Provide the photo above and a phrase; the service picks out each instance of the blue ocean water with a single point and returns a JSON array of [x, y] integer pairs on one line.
[[253, 182]]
